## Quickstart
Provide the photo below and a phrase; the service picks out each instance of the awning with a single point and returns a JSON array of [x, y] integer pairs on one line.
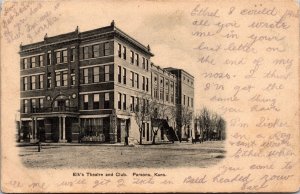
[[123, 116], [93, 116]]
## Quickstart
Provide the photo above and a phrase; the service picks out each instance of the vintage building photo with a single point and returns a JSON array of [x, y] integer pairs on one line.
[[97, 93]]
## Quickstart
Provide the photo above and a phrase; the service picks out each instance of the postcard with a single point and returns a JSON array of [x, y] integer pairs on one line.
[[149, 96]]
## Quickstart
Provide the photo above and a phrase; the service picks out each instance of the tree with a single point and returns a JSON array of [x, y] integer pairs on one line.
[[141, 113], [211, 124], [184, 117]]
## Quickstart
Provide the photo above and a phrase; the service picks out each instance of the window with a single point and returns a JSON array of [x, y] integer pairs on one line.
[[96, 76], [25, 106], [67, 103], [72, 77], [136, 80], [25, 63], [131, 103], [57, 79], [131, 57], [41, 103], [147, 64], [124, 102], [137, 59], [119, 50], [49, 82], [106, 49], [192, 102], [183, 99], [86, 76], [65, 78], [137, 104], [85, 52], [144, 134], [33, 64], [155, 93], [72, 54], [58, 57], [106, 73], [124, 76], [25, 83], [188, 101], [124, 52], [106, 100], [33, 83], [144, 63], [41, 60], [161, 93], [143, 83], [119, 74], [96, 104], [119, 101], [147, 84], [49, 61], [86, 102], [41, 80], [65, 56], [33, 104], [132, 78], [96, 51]]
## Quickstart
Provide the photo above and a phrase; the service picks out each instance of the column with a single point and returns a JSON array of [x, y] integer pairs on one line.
[[64, 128], [59, 128], [35, 128]]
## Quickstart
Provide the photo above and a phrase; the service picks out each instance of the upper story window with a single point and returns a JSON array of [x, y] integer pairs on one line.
[[106, 100], [85, 102], [119, 50], [72, 54], [49, 60], [132, 78], [25, 63], [85, 76], [144, 63], [58, 56], [41, 60], [143, 83], [119, 101], [106, 73], [65, 56], [25, 83], [49, 80], [57, 79], [96, 74], [72, 77], [25, 106], [136, 80], [65, 78], [132, 57], [124, 75], [96, 51], [96, 104], [124, 52], [124, 102], [147, 84], [147, 64], [106, 49], [85, 52], [33, 82], [41, 80], [137, 59], [192, 102], [33, 62], [119, 74]]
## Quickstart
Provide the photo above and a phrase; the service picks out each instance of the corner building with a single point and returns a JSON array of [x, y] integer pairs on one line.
[[83, 87]]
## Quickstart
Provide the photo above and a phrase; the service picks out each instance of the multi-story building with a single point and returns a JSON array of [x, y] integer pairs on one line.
[[84, 86], [184, 101]]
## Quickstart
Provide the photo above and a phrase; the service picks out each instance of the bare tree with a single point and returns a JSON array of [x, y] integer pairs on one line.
[[211, 124], [141, 112], [184, 117]]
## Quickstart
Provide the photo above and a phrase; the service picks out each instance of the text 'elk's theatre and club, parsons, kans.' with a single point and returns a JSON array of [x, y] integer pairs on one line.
[[85, 86]]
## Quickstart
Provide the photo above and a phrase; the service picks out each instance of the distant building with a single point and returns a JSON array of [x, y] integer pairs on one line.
[[83, 86]]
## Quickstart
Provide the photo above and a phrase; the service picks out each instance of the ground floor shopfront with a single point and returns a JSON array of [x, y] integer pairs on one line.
[[105, 128]]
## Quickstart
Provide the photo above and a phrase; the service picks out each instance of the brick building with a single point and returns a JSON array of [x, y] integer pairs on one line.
[[83, 86]]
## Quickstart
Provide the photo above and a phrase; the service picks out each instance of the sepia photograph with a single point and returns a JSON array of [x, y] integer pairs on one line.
[[147, 96]]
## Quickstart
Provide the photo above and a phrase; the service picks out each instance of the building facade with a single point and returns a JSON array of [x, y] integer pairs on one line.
[[84, 86]]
